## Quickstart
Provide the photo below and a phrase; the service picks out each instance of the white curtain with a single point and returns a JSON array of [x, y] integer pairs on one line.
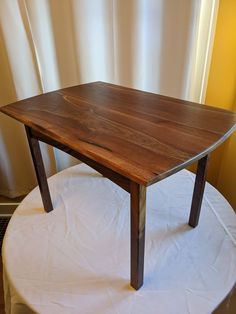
[[50, 44]]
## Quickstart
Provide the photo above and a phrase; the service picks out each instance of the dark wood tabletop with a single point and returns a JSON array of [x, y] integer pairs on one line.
[[142, 136]]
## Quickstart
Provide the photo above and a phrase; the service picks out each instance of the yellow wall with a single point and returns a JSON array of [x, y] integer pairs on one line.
[[221, 92]]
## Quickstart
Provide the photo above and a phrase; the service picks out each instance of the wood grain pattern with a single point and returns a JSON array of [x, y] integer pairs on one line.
[[142, 136]]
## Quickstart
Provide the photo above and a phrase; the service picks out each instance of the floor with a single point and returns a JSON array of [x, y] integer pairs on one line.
[[228, 306]]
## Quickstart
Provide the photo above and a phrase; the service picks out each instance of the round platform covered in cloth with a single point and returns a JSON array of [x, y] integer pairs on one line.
[[76, 259]]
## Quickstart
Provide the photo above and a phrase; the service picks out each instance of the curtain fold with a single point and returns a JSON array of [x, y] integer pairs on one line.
[[49, 44]]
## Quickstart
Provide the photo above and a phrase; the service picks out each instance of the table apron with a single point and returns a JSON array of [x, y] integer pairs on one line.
[[115, 177]]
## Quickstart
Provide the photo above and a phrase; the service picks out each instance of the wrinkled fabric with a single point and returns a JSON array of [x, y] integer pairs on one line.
[[76, 258]]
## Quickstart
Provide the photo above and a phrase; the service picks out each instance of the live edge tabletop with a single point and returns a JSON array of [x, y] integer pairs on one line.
[[132, 137]]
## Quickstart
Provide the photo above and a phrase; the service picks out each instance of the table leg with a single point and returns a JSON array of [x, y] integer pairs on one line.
[[39, 169], [138, 213], [198, 191]]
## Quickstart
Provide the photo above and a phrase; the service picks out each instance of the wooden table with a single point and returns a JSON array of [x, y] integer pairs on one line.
[[132, 137]]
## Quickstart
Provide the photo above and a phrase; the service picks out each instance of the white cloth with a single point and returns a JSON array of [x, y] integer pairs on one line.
[[75, 259], [155, 45]]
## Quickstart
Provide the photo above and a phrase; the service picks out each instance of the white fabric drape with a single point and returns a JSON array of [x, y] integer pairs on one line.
[[50, 44]]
